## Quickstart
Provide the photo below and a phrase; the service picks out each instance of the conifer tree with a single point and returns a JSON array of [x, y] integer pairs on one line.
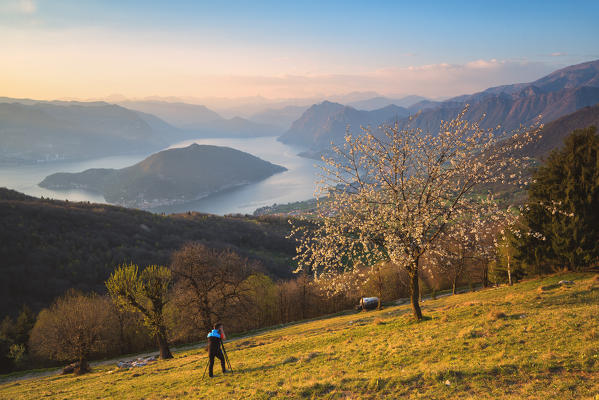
[[564, 206]]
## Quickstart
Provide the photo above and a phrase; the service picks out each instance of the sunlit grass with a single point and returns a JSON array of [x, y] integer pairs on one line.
[[525, 341]]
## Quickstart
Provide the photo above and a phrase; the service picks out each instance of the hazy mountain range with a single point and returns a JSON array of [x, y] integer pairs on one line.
[[34, 131], [171, 176], [326, 122], [202, 121], [247, 107], [282, 118], [381, 101], [553, 96]]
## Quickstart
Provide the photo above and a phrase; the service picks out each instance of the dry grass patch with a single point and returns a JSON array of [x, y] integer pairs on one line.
[[593, 283], [472, 303], [592, 334], [470, 332], [309, 356], [494, 315]]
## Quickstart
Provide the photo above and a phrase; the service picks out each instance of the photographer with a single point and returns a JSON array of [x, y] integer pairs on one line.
[[215, 338]]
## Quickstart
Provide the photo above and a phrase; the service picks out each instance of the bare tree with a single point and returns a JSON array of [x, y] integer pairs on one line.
[[130, 333], [75, 327], [210, 282], [455, 250], [469, 240], [390, 194], [147, 293], [377, 280]]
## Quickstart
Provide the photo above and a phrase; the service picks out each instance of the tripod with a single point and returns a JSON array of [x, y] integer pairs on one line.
[[227, 362], [222, 345]]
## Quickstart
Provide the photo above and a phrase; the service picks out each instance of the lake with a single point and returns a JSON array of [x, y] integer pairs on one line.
[[295, 184]]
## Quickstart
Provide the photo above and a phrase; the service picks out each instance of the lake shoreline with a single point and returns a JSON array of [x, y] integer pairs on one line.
[[295, 184]]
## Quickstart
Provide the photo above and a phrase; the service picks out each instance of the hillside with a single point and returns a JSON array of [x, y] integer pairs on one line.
[[375, 103], [535, 340], [327, 121], [556, 131], [511, 110], [199, 120], [553, 96], [182, 115], [48, 246], [171, 176], [32, 131], [571, 77], [279, 117], [560, 93]]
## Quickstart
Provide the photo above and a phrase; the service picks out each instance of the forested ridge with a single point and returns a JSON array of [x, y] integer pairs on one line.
[[49, 246]]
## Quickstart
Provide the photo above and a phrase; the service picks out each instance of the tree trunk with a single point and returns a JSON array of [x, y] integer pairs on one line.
[[122, 340], [303, 301], [486, 276], [205, 312], [83, 366], [165, 352], [415, 294], [453, 284], [207, 325], [509, 271], [380, 287]]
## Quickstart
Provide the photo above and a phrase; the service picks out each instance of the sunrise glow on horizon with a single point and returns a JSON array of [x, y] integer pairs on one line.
[[93, 49]]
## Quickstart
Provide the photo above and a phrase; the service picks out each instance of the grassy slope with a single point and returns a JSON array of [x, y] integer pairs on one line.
[[544, 345]]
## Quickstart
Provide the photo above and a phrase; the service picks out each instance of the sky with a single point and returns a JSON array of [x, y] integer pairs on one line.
[[52, 49]]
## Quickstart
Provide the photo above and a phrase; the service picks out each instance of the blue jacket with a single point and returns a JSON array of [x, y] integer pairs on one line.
[[214, 333]]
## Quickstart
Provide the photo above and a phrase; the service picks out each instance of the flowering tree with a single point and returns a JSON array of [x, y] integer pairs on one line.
[[456, 250], [471, 239], [390, 193]]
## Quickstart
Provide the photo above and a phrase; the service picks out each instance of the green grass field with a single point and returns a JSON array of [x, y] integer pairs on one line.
[[535, 340]]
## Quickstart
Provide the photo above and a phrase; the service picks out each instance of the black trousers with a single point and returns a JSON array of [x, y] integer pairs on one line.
[[218, 353]]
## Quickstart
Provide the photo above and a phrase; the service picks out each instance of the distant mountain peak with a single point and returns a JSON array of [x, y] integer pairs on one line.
[[557, 94], [378, 102], [329, 104], [328, 121]]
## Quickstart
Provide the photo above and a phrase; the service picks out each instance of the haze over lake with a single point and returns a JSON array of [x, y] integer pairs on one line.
[[297, 183]]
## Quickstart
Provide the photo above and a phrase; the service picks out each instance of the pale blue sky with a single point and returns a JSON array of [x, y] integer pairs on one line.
[[287, 49]]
